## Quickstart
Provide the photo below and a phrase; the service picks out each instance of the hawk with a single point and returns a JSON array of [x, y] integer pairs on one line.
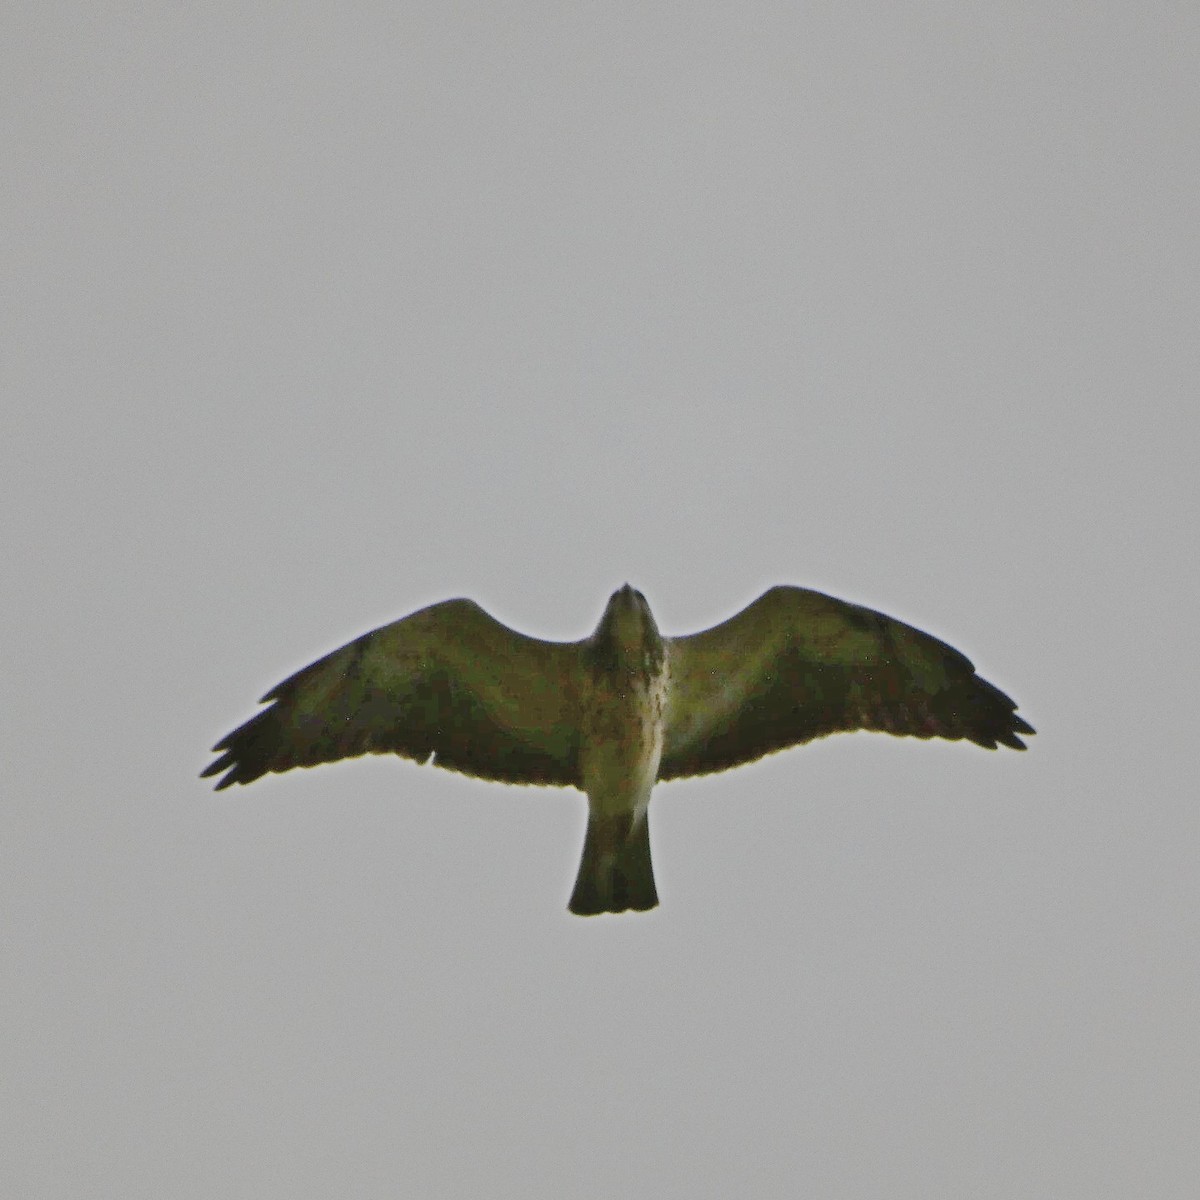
[[618, 711]]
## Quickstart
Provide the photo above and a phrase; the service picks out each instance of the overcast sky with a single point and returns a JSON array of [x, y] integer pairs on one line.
[[318, 313]]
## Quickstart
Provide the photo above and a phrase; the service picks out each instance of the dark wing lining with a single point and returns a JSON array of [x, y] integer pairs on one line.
[[449, 680], [797, 665]]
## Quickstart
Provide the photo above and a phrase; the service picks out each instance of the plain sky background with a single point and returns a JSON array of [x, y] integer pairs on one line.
[[317, 313]]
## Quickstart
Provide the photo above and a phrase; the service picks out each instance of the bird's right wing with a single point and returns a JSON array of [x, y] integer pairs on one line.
[[449, 681]]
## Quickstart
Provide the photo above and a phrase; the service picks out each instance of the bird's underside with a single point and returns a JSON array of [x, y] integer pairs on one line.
[[615, 713]]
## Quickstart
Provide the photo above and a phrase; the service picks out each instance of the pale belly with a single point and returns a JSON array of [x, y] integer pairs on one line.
[[622, 746]]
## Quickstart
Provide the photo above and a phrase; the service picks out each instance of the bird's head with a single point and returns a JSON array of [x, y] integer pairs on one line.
[[627, 636]]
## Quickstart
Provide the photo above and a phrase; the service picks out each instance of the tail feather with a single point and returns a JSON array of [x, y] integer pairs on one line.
[[615, 873]]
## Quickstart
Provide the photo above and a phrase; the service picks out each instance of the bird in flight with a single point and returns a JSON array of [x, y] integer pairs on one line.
[[619, 711]]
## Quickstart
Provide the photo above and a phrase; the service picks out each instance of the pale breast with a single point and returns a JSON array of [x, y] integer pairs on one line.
[[623, 721]]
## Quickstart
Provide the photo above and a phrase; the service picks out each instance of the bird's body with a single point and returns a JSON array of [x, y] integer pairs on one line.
[[625, 677], [619, 711]]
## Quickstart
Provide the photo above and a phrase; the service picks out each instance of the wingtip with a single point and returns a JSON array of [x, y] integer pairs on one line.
[[215, 768], [1019, 725], [1009, 736]]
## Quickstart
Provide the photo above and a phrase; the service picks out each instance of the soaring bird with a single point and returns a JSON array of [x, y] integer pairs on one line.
[[618, 711]]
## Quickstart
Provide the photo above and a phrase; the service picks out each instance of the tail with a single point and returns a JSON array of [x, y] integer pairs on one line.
[[616, 873]]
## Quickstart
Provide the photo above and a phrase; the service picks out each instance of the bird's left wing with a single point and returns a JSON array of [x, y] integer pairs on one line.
[[797, 665], [449, 681]]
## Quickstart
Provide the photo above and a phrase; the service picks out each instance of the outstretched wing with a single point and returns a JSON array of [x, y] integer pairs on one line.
[[797, 665], [448, 681]]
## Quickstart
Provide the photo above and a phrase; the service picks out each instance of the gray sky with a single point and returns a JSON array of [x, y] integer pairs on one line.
[[316, 313]]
